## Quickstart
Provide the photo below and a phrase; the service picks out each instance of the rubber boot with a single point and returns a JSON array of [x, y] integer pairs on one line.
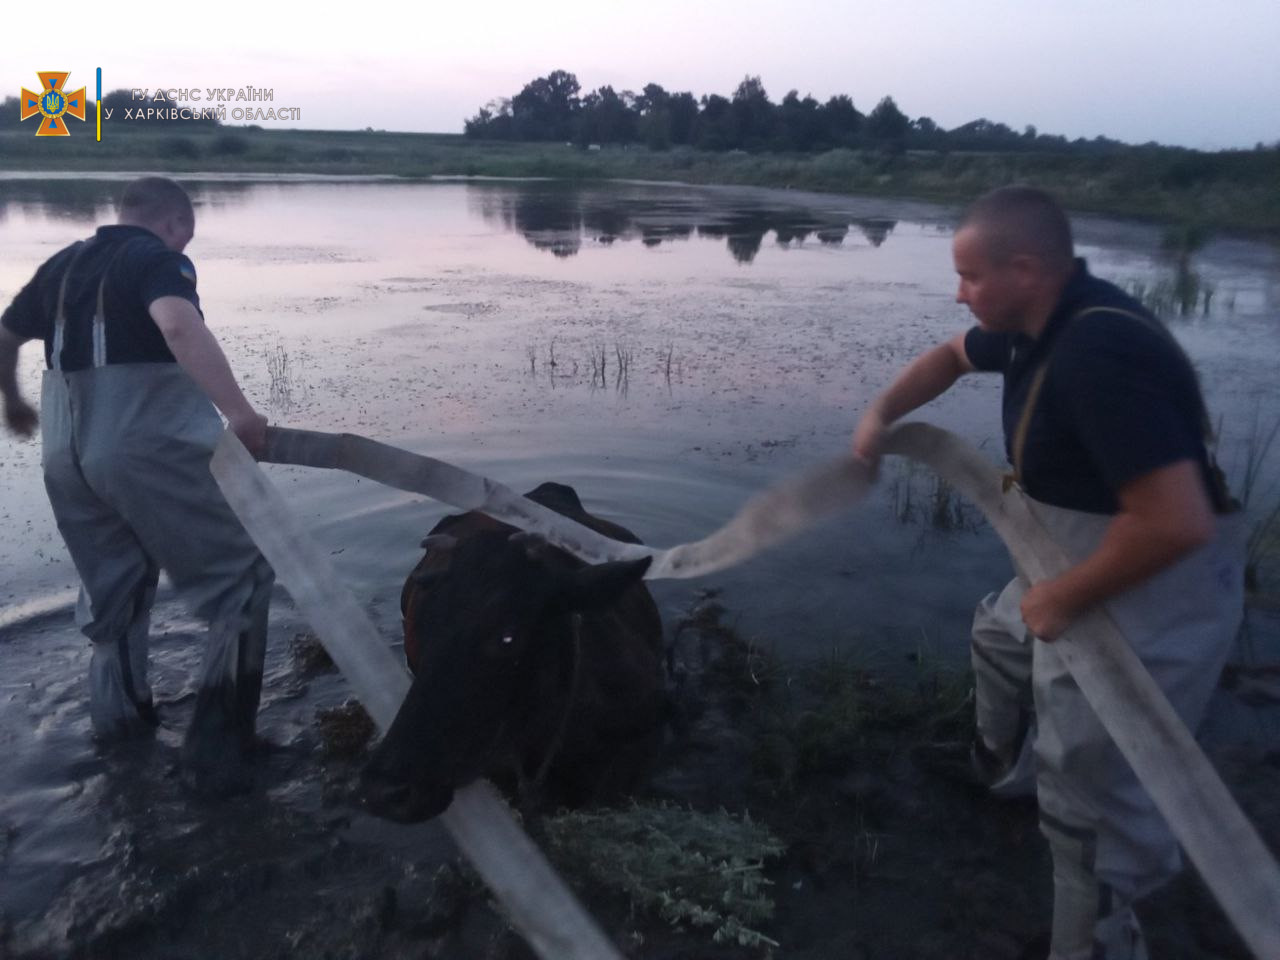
[[1091, 921], [120, 704], [221, 738]]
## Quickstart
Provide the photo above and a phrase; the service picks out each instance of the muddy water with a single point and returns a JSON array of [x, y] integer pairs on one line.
[[668, 351]]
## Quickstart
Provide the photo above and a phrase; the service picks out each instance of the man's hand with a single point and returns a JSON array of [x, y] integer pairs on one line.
[[927, 376], [1046, 611], [1164, 515], [868, 438], [20, 417], [251, 428]]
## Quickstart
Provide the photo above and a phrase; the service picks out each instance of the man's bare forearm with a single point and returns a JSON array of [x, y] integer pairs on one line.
[[198, 353], [928, 376]]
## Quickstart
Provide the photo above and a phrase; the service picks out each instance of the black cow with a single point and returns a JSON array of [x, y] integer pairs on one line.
[[530, 668]]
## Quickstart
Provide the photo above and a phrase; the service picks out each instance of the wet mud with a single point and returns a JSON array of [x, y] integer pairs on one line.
[[881, 858]]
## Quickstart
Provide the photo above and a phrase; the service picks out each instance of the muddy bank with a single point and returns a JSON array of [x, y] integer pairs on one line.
[[867, 855]]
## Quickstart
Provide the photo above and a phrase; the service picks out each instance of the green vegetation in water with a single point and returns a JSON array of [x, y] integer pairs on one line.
[[309, 655], [937, 507], [831, 711], [692, 869], [1262, 556], [820, 717], [345, 730]]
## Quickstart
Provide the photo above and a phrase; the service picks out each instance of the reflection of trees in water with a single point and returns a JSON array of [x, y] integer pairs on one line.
[[556, 218], [225, 195], [78, 201], [743, 232], [95, 201], [876, 229]]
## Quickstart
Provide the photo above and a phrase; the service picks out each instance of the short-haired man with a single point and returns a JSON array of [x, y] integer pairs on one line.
[[128, 428], [1105, 428]]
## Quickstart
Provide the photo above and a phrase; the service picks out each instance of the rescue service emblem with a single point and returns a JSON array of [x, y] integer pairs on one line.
[[52, 104]]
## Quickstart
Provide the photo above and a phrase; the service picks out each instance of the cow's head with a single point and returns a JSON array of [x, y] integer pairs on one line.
[[490, 634]]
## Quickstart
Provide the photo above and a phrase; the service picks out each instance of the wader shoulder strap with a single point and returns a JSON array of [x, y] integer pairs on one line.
[[60, 311]]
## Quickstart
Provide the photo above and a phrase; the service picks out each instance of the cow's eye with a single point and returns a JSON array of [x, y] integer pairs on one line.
[[507, 640]]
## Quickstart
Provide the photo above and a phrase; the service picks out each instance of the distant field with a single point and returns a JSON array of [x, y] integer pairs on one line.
[[1237, 191]]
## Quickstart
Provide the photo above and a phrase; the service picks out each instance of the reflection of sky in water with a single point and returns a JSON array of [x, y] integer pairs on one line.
[[467, 320]]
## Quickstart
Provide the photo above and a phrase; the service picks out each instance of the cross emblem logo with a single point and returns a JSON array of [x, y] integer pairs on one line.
[[53, 103]]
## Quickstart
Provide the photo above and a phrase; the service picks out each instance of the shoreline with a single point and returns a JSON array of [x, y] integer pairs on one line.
[[1231, 191]]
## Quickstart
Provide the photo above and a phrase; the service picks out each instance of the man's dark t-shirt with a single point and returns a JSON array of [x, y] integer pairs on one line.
[[139, 269], [1119, 399]]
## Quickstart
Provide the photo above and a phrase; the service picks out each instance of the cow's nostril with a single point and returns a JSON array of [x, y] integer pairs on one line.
[[406, 802]]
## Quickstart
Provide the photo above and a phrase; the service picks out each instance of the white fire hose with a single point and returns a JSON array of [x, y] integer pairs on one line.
[[1224, 846]]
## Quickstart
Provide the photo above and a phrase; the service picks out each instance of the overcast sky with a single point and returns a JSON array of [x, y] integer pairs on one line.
[[1195, 74]]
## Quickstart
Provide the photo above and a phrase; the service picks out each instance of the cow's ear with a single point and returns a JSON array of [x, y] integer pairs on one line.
[[600, 585]]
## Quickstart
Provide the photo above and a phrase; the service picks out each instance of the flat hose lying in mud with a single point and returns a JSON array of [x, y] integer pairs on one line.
[[1201, 812]]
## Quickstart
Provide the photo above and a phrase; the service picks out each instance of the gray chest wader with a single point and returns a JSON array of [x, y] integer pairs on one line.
[[126, 451], [1109, 843]]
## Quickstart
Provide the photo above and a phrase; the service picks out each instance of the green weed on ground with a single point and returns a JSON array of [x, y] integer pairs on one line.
[[693, 869]]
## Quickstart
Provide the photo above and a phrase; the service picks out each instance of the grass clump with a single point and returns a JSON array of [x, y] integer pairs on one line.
[[309, 655], [698, 870], [345, 730]]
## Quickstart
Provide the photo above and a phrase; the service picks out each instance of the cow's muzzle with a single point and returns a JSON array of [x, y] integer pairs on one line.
[[401, 800]]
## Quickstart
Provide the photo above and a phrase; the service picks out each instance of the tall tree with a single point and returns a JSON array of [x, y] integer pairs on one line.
[[715, 129], [683, 108], [801, 123], [544, 109], [887, 124], [842, 121], [752, 114]]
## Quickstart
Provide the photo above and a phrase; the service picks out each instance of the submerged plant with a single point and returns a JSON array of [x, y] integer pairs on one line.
[[693, 869]]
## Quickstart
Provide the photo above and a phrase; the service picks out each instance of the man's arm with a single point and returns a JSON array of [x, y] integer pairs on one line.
[[198, 353], [19, 416], [1164, 515], [929, 375]]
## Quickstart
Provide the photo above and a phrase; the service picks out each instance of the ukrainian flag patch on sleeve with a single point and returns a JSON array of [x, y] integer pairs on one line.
[[188, 271]]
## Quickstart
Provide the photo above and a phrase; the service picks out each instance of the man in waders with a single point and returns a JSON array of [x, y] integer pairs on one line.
[[128, 427], [1105, 428]]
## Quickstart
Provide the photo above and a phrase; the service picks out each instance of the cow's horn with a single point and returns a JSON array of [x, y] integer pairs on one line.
[[439, 541]]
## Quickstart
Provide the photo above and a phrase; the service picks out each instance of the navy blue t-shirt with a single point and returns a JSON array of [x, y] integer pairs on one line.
[[139, 269], [1120, 398]]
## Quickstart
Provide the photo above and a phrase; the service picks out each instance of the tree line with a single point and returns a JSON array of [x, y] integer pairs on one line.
[[553, 108]]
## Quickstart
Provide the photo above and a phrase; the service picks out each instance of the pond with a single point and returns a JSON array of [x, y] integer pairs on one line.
[[667, 350]]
